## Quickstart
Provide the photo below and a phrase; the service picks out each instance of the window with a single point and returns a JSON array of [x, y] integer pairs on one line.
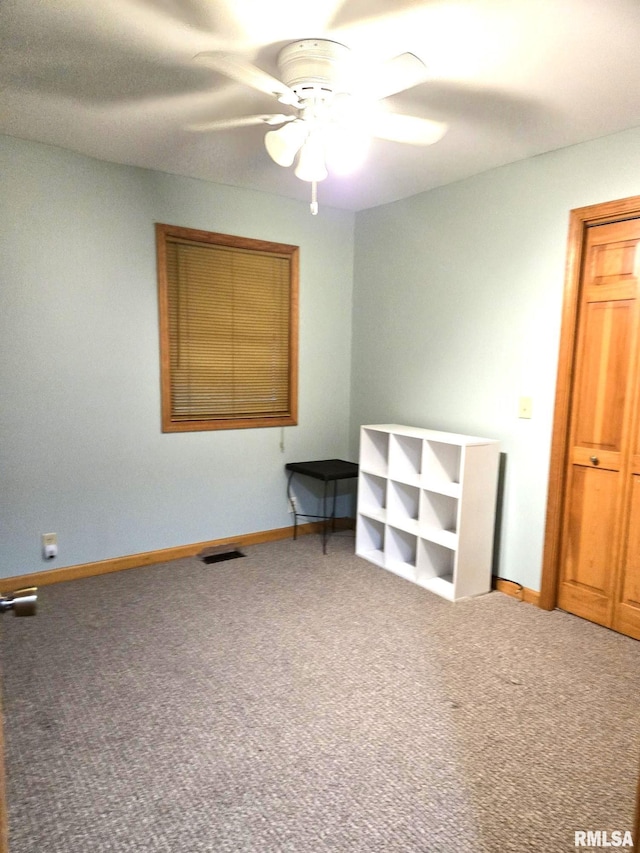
[[228, 330]]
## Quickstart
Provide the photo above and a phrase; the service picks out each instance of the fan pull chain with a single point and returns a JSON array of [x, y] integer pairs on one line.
[[314, 198]]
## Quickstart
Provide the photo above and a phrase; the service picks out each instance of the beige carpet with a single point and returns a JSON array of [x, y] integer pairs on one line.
[[299, 703]]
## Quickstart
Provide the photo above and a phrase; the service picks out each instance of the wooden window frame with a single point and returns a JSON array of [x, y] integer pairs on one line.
[[170, 423]]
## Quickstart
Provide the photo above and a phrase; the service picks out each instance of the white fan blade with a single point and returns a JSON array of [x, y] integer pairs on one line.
[[241, 121], [395, 75], [250, 75], [408, 129]]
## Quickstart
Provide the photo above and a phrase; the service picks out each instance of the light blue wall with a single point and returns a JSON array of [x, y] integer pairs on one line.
[[457, 308], [81, 451], [456, 313]]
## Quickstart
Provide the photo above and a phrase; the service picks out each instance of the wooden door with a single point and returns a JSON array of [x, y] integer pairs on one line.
[[626, 608], [599, 577]]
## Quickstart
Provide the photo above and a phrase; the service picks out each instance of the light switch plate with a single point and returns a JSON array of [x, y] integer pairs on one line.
[[525, 407]]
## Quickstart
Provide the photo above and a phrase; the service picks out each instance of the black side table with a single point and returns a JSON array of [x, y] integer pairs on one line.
[[329, 471]]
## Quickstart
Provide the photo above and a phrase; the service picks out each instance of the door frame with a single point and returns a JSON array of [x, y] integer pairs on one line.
[[580, 219]]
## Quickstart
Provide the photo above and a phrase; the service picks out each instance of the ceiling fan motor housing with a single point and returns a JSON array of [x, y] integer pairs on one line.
[[315, 66]]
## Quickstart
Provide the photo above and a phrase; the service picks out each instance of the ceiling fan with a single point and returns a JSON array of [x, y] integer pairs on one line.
[[335, 105]]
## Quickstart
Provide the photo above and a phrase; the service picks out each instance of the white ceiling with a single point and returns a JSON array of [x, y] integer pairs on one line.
[[115, 79]]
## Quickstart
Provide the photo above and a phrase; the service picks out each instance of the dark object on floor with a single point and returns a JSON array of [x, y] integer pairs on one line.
[[219, 553], [218, 558]]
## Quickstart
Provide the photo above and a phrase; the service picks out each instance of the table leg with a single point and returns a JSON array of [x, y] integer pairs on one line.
[[324, 520], [333, 509], [327, 518], [293, 506]]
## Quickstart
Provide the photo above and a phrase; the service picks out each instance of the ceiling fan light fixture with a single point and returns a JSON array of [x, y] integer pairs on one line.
[[336, 103], [311, 163], [346, 148], [283, 144]]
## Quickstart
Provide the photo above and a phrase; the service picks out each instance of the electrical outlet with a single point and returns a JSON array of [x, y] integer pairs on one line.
[[525, 406], [49, 545]]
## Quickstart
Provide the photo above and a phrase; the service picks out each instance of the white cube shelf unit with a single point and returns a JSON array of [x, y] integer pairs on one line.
[[427, 505]]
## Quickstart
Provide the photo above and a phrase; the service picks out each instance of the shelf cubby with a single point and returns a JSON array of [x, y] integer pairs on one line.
[[440, 464], [405, 458], [370, 539], [374, 452], [403, 505], [438, 510], [401, 552], [372, 496], [435, 568]]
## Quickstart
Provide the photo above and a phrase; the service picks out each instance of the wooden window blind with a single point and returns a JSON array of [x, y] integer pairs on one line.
[[228, 330]]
